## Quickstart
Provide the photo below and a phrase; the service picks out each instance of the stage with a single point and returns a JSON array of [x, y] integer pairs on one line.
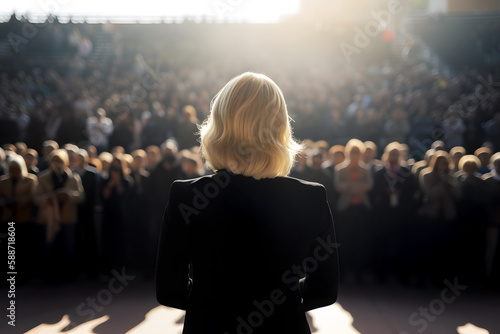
[[128, 305]]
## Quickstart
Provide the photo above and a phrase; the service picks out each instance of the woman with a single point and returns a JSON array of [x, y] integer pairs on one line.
[[59, 193], [247, 249]]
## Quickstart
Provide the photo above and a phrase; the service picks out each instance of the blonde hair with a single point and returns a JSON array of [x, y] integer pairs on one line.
[[105, 157], [351, 144], [468, 158], [248, 130], [441, 155], [139, 154], [370, 145], [494, 158], [392, 146], [16, 159], [457, 149], [62, 154]]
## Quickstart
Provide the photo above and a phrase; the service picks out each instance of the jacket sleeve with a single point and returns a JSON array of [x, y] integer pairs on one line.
[[172, 264], [319, 288]]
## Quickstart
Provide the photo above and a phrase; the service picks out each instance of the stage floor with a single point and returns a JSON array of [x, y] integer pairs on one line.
[[129, 306]]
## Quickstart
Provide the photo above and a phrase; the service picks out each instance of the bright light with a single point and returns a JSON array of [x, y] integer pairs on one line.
[[241, 10]]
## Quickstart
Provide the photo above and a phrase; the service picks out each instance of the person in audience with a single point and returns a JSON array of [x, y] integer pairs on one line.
[[10, 148], [189, 165], [438, 145], [58, 195], [492, 186], [336, 157], [456, 154], [116, 191], [315, 173], [17, 190], [153, 157], [484, 155], [301, 166], [86, 230], [99, 128], [353, 181], [187, 128], [48, 147], [394, 206], [31, 159], [138, 171], [21, 148], [161, 178], [369, 157], [417, 167], [137, 236], [441, 194], [406, 161], [440, 188], [105, 159], [471, 223], [117, 150]]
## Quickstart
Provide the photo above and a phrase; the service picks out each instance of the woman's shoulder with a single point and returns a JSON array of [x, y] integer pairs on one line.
[[302, 184]]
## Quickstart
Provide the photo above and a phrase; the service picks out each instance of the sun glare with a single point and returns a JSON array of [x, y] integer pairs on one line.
[[254, 11]]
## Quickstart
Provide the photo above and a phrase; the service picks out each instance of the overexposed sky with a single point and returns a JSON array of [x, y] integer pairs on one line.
[[249, 10]]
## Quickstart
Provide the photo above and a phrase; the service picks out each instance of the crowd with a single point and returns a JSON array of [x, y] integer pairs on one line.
[[81, 212], [114, 133]]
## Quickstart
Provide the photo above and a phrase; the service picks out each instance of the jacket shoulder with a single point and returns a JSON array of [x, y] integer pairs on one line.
[[305, 185], [223, 179]]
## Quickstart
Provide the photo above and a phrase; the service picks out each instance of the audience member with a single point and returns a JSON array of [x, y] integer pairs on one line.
[[353, 182], [58, 195], [484, 156], [86, 229], [17, 190]]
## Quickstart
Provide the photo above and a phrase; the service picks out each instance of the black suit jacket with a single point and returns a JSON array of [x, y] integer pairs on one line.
[[234, 252]]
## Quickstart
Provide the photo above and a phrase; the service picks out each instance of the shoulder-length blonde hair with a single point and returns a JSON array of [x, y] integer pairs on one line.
[[248, 130]]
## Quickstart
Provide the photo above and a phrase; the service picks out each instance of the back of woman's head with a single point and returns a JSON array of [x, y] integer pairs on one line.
[[248, 130]]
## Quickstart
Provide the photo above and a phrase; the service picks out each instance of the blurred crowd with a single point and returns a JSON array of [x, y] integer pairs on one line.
[[78, 211], [413, 221], [92, 141]]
